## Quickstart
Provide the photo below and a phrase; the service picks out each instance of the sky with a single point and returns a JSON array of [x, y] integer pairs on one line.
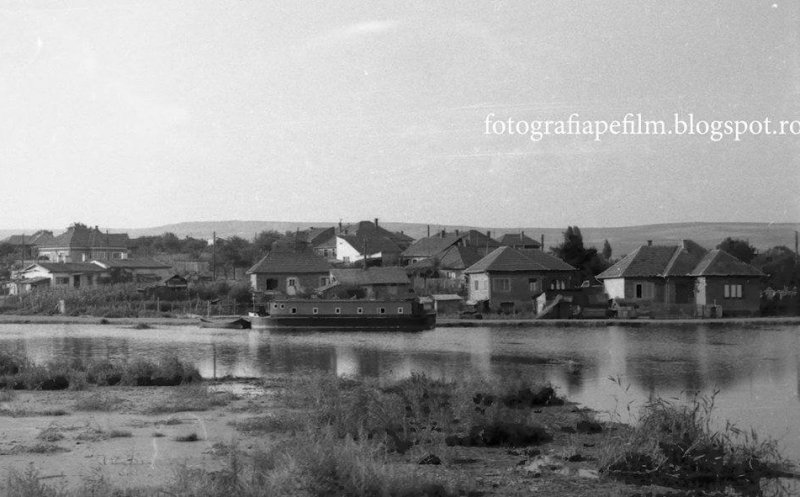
[[135, 114]]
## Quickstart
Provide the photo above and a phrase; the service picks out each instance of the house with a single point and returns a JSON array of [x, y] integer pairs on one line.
[[140, 269], [289, 268], [519, 241], [83, 244], [372, 283], [58, 274], [449, 264], [683, 280], [435, 246], [369, 241], [447, 303], [507, 280], [321, 240], [723, 280], [27, 245]]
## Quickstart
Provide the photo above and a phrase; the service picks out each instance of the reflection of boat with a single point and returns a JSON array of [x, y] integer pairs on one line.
[[236, 324], [346, 315]]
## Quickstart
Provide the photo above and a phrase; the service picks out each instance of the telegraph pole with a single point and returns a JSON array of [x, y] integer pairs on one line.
[[214, 256]]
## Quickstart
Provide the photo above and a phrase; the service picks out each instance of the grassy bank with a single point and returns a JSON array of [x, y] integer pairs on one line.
[[320, 435]]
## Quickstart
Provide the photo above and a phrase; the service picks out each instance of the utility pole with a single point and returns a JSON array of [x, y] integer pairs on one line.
[[214, 256]]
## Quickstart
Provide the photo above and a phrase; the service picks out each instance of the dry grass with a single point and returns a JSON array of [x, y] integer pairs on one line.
[[189, 398]]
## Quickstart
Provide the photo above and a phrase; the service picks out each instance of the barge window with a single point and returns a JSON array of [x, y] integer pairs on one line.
[[399, 310], [294, 310], [315, 310], [360, 310], [283, 306], [381, 310], [338, 310], [274, 306]]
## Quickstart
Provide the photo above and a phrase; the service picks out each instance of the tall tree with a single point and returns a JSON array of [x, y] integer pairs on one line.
[[741, 249], [572, 251], [606, 250]]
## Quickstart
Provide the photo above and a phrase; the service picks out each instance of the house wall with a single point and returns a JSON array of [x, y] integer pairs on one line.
[[519, 290], [615, 288], [306, 282], [481, 280], [346, 252], [66, 254], [658, 293], [711, 291]]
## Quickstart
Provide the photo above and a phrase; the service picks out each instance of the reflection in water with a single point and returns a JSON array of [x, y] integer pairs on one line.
[[756, 368]]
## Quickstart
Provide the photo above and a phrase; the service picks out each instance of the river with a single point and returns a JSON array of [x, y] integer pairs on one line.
[[755, 367]]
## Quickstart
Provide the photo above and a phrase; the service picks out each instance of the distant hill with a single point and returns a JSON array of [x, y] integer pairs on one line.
[[622, 239]]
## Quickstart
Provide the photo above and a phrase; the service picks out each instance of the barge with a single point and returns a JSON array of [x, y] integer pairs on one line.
[[346, 315]]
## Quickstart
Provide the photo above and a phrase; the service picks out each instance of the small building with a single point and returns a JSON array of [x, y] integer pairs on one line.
[[143, 269], [507, 280], [58, 274], [519, 241], [83, 244], [289, 268], [723, 280], [370, 283], [435, 246], [447, 303]]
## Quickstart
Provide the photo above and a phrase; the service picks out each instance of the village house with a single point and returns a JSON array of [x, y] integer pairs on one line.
[[371, 283], [289, 268], [434, 246], [682, 280], [142, 269], [509, 281], [27, 245], [321, 240], [519, 241], [368, 240], [57, 274], [83, 244]]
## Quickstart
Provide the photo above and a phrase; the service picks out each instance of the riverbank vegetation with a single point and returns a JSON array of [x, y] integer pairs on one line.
[[320, 435]]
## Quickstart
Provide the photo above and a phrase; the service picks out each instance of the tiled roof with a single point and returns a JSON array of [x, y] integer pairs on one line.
[[508, 259], [290, 259], [518, 240], [374, 241], [458, 258], [431, 246], [79, 236], [315, 236], [71, 267], [720, 263], [650, 261], [549, 261], [391, 275], [37, 238], [142, 262]]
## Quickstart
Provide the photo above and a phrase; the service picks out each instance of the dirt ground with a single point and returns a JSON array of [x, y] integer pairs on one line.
[[136, 442]]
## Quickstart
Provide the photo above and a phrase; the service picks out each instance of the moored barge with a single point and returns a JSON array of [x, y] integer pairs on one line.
[[346, 315]]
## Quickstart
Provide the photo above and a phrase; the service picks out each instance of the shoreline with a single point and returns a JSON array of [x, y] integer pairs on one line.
[[440, 323]]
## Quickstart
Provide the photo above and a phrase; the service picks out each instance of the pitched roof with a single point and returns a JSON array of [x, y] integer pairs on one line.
[[519, 240], [720, 263], [458, 258], [376, 239], [82, 236], [431, 246], [315, 236], [70, 267], [657, 261], [141, 262], [508, 259], [549, 261], [285, 258], [391, 275], [37, 238]]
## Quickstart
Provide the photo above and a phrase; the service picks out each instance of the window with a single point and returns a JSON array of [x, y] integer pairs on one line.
[[116, 255], [360, 310], [644, 290], [62, 280], [271, 284], [283, 306], [733, 291], [293, 310], [315, 310], [274, 306], [502, 285], [477, 285], [399, 310], [533, 285], [291, 281], [337, 310], [558, 285], [381, 310], [324, 280]]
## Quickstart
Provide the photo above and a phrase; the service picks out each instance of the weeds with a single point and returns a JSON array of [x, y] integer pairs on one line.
[[191, 437], [192, 398], [99, 401]]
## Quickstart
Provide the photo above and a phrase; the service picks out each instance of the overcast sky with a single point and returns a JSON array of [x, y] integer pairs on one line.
[[135, 114]]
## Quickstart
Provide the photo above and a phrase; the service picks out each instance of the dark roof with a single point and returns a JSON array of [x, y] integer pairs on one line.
[[720, 263], [70, 267], [509, 259], [81, 236], [377, 239], [290, 259], [657, 261], [458, 258], [37, 238], [549, 261], [518, 240], [391, 275], [315, 236], [430, 246], [142, 262]]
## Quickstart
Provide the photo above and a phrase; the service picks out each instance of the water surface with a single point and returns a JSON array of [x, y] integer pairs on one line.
[[756, 368]]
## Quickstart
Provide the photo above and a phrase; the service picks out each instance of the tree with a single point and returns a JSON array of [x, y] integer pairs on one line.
[[606, 250], [741, 249], [781, 266], [264, 240], [572, 251]]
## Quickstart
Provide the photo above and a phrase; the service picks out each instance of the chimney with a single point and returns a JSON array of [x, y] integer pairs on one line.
[[429, 231], [340, 226], [521, 235], [376, 223], [488, 234], [542, 242], [456, 232], [442, 234], [649, 243]]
